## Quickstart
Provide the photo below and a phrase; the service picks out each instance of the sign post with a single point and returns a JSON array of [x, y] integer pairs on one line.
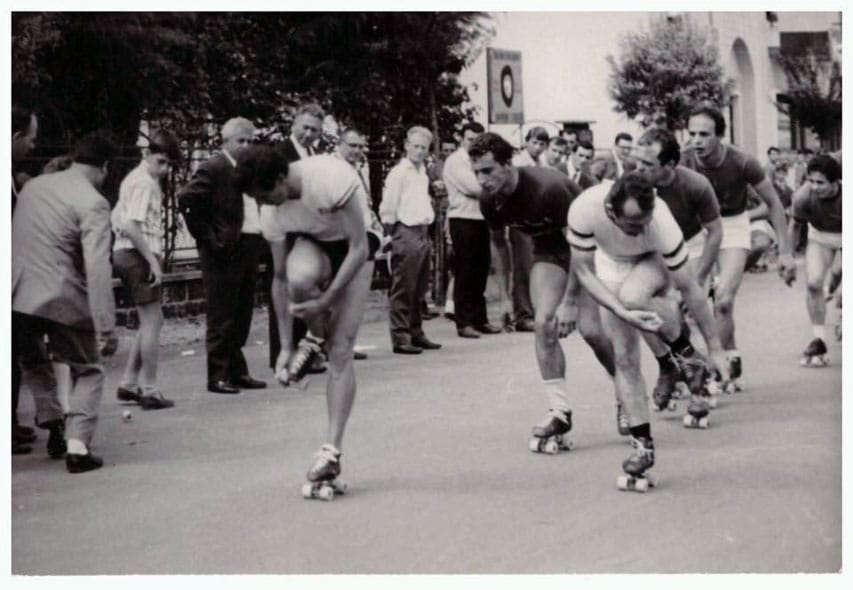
[[504, 79]]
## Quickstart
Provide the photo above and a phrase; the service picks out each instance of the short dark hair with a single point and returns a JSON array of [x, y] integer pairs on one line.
[[622, 135], [491, 142], [772, 149], [162, 141], [826, 165], [95, 149], [21, 119], [712, 112], [587, 145], [539, 133], [632, 185], [312, 109], [670, 151], [472, 126], [557, 140], [259, 166]]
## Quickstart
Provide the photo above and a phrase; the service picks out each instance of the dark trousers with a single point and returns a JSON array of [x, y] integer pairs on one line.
[[16, 375], [471, 260], [229, 284], [42, 341], [521, 246], [410, 249]]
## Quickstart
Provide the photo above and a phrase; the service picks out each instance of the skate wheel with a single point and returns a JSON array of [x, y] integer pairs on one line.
[[307, 490], [703, 422], [688, 421], [622, 482], [641, 484], [534, 445], [672, 406], [552, 447], [712, 402], [326, 492], [805, 362]]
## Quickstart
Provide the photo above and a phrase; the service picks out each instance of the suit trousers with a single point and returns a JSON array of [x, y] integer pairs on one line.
[[229, 283], [521, 246], [410, 250], [42, 341], [471, 261]]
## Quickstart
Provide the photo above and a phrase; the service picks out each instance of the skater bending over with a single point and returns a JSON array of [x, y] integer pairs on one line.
[[626, 250], [311, 215], [817, 214], [536, 202]]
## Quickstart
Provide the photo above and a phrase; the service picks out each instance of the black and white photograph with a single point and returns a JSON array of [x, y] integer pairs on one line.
[[309, 289]]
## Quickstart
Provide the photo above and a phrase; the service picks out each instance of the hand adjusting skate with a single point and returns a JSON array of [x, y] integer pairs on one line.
[[548, 435]]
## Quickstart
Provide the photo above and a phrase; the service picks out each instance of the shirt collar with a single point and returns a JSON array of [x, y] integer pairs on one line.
[[229, 157]]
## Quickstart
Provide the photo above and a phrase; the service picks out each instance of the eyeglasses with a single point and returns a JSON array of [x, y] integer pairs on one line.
[[356, 146]]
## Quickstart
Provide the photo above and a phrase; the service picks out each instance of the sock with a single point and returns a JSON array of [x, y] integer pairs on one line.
[[558, 397], [77, 447], [819, 331], [642, 430], [681, 346]]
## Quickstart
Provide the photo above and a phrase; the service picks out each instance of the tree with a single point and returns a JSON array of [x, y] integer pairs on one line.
[[813, 96], [663, 72]]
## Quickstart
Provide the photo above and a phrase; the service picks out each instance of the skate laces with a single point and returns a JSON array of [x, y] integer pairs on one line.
[[308, 347], [641, 449], [558, 414], [328, 454]]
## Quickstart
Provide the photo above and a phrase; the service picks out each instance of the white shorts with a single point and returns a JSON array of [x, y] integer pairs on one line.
[[612, 272], [824, 238], [736, 233], [696, 245], [763, 226]]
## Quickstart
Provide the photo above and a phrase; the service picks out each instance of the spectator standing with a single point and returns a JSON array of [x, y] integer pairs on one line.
[[406, 212], [226, 226], [619, 160], [62, 291], [138, 259]]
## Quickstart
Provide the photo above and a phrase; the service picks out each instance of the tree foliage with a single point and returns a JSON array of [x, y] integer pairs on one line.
[[813, 96], [661, 73], [380, 71]]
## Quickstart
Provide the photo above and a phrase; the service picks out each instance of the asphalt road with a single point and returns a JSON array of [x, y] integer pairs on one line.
[[441, 480]]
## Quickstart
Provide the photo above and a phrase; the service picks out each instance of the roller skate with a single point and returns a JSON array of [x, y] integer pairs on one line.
[[665, 389], [548, 435], [623, 424], [696, 375], [815, 354], [636, 477], [697, 413], [309, 350], [322, 481]]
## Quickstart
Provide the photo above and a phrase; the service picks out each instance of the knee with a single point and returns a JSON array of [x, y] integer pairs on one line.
[[723, 304], [590, 330], [815, 285], [627, 363], [340, 353]]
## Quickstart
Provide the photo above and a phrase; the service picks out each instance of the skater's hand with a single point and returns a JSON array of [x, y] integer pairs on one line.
[[719, 365], [647, 321], [787, 269], [155, 273], [107, 343], [311, 307], [281, 372], [567, 318]]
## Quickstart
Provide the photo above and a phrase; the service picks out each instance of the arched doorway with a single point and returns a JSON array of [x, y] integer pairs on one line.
[[743, 131]]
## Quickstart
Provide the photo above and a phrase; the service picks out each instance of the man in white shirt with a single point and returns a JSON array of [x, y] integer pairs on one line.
[[406, 212], [469, 234]]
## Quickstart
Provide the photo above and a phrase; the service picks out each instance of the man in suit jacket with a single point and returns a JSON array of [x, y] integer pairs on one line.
[[306, 129], [226, 227], [62, 290], [578, 165], [619, 160]]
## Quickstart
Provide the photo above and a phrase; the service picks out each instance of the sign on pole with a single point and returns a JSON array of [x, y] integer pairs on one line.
[[504, 79]]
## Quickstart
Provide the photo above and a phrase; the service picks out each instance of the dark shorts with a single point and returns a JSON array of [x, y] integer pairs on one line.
[[553, 251], [133, 270], [336, 250]]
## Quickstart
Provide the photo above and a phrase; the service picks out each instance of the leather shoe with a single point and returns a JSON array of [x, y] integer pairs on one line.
[[22, 436], [123, 394], [56, 445], [246, 382], [221, 387], [468, 332], [20, 448], [358, 355], [80, 463], [407, 349], [155, 401], [525, 326], [488, 329], [425, 343]]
